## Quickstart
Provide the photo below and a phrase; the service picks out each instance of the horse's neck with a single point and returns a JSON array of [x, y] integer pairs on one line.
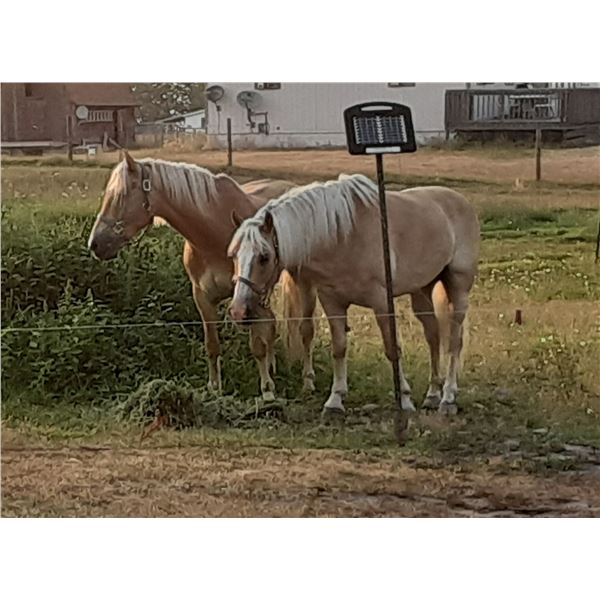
[[209, 228]]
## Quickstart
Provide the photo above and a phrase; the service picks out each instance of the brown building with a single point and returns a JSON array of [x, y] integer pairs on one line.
[[36, 116]]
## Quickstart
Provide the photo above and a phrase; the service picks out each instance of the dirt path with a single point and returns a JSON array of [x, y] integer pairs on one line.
[[267, 482], [576, 165]]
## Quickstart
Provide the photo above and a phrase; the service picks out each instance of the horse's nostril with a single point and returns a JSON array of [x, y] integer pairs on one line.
[[237, 314]]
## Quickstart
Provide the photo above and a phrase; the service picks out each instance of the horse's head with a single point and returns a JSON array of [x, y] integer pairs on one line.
[[125, 208], [256, 265]]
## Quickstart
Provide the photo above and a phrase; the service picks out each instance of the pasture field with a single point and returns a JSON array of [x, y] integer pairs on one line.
[[526, 442]]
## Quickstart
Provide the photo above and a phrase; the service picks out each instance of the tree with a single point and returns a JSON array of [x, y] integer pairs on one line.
[[159, 100]]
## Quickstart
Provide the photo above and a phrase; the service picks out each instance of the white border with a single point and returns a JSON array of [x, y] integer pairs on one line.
[[308, 41], [298, 558], [462, 40]]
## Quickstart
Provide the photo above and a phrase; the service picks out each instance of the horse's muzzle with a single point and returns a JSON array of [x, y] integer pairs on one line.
[[105, 247], [239, 312]]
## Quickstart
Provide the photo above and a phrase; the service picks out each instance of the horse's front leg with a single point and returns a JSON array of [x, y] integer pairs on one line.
[[262, 345], [210, 316], [336, 312], [307, 333]]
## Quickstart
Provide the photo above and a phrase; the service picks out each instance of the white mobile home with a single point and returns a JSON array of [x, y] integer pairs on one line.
[[304, 115]]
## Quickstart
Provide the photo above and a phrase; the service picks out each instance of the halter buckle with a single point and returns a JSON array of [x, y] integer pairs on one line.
[[147, 185]]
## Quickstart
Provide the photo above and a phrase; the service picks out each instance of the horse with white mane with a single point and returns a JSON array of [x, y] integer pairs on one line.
[[328, 237], [198, 205]]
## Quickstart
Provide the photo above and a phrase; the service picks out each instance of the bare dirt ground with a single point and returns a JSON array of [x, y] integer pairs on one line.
[[577, 165], [258, 481]]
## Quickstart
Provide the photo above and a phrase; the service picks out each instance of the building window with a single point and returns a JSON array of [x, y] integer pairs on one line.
[[267, 86], [401, 84], [28, 90]]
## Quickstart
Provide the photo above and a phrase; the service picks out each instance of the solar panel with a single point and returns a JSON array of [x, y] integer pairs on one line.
[[378, 128]]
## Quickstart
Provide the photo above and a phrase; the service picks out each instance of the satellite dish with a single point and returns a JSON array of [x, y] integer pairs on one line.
[[249, 99], [82, 112], [214, 93]]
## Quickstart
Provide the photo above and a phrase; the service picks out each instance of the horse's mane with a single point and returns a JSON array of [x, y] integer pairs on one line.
[[183, 183], [315, 215]]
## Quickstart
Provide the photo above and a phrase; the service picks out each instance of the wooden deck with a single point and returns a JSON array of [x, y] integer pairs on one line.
[[522, 110]]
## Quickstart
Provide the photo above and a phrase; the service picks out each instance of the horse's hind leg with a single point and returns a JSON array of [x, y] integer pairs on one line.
[[384, 322], [458, 286], [422, 306], [210, 316], [262, 345]]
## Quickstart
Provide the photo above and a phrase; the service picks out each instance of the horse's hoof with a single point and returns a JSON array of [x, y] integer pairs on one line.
[[401, 424], [431, 401], [331, 415], [306, 394], [448, 409], [407, 404], [213, 389], [268, 396], [308, 387]]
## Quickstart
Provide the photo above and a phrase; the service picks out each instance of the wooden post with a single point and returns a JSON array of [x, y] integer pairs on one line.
[[538, 154], [69, 138], [229, 145], [519, 316], [598, 241]]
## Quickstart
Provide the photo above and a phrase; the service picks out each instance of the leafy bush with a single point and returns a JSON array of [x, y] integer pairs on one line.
[[39, 261], [50, 280]]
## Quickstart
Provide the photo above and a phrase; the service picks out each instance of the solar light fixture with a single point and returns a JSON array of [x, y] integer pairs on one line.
[[384, 128], [379, 128]]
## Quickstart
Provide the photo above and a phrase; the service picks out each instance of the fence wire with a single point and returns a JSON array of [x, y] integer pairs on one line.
[[227, 320]]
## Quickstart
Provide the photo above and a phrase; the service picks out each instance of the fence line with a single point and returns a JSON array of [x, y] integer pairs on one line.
[[158, 324]]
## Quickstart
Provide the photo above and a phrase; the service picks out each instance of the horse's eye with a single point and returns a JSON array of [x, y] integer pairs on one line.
[[263, 259]]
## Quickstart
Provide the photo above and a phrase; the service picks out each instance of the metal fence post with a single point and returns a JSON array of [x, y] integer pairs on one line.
[[401, 417], [69, 138]]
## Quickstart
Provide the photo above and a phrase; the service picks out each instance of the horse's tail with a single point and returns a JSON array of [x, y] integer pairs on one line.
[[443, 312], [292, 312]]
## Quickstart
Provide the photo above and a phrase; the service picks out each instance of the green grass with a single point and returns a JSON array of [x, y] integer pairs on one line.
[[537, 255]]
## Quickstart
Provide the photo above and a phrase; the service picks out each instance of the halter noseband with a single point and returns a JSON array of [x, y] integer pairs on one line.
[[264, 293]]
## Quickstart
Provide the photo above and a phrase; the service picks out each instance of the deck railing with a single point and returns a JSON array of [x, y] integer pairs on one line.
[[521, 109]]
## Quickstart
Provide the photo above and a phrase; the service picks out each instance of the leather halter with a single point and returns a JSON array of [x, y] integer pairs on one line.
[[264, 293], [118, 225], [146, 188]]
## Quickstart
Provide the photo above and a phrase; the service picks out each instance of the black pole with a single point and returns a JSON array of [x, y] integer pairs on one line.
[[401, 417]]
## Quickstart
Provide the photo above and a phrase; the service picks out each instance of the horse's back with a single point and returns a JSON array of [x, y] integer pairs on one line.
[[460, 214], [267, 189], [453, 203]]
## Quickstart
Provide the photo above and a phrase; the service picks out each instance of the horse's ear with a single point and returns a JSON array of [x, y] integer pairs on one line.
[[267, 226], [131, 164], [236, 219]]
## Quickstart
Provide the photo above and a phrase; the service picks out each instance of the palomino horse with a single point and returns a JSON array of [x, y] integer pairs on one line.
[[328, 237], [198, 205]]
